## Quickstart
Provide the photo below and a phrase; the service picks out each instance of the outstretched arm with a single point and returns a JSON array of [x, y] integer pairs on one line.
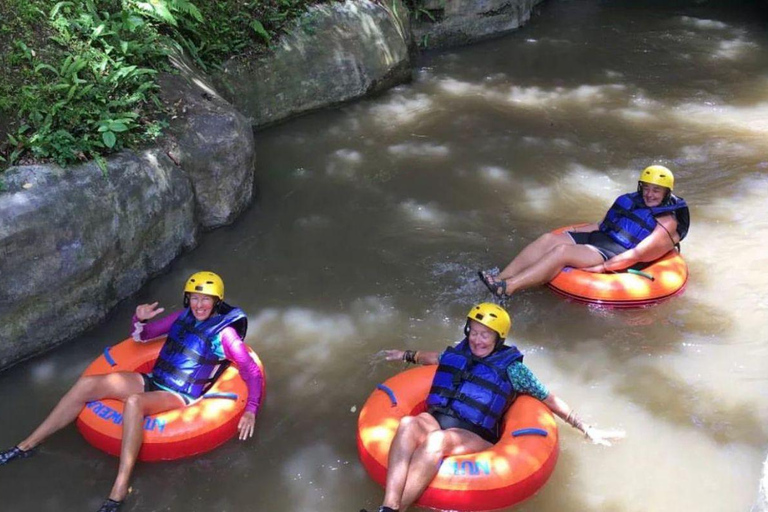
[[562, 409], [419, 356]]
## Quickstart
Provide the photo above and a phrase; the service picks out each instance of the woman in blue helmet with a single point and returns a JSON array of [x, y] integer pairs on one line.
[[463, 414], [202, 339], [639, 227]]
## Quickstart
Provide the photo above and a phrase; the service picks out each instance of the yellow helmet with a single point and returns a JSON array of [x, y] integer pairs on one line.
[[205, 282], [492, 316], [657, 175]]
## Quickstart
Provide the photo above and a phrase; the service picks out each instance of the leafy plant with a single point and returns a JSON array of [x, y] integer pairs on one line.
[[260, 30], [78, 80]]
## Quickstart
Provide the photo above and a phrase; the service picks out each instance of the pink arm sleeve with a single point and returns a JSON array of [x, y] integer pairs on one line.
[[235, 350], [151, 330]]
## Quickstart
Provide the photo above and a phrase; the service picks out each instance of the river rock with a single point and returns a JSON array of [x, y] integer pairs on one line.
[[75, 242], [333, 53], [215, 144], [447, 23]]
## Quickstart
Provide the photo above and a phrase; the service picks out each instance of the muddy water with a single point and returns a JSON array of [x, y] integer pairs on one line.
[[373, 218]]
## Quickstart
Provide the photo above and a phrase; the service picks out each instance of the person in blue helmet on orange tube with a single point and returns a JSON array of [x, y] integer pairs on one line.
[[639, 227], [202, 340], [462, 415]]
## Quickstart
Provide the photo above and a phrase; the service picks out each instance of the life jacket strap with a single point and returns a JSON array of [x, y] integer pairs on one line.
[[462, 398], [178, 348], [182, 376]]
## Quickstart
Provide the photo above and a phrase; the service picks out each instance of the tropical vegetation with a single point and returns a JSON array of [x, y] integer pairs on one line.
[[78, 79]]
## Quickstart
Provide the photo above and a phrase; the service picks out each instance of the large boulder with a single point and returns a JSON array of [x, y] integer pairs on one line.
[[334, 53], [214, 144], [75, 242], [446, 23]]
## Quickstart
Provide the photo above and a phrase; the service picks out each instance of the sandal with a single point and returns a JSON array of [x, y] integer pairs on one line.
[[497, 288], [14, 454], [110, 505]]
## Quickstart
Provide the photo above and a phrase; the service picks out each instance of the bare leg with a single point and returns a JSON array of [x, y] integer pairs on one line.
[[547, 267], [533, 252], [136, 407], [425, 462], [411, 433], [118, 385]]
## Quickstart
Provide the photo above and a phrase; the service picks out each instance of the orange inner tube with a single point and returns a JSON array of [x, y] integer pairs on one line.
[[508, 473], [173, 434], [623, 289]]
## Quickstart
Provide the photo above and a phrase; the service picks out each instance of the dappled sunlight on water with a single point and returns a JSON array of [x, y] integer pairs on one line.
[[401, 110], [751, 118]]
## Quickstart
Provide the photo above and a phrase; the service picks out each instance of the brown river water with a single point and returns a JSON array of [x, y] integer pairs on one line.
[[372, 219]]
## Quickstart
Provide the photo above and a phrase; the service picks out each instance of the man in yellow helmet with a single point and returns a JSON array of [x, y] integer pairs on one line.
[[202, 340], [465, 404], [639, 227]]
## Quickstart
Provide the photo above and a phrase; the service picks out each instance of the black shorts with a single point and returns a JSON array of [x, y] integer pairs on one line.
[[151, 385], [447, 421], [599, 240]]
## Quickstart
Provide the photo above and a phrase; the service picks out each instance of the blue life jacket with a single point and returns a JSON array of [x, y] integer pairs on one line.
[[629, 221], [474, 389], [188, 362]]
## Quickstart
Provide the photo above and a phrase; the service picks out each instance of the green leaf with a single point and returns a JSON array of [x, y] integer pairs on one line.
[[85, 90], [61, 40], [158, 10], [47, 67], [15, 155], [78, 65], [260, 30], [133, 22], [101, 163], [91, 7], [109, 139], [57, 8], [65, 66], [118, 127]]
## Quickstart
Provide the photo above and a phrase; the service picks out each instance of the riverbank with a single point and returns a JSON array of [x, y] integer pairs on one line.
[[95, 233]]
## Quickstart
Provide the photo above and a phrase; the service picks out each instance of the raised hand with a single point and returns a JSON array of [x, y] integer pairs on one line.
[[146, 312]]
